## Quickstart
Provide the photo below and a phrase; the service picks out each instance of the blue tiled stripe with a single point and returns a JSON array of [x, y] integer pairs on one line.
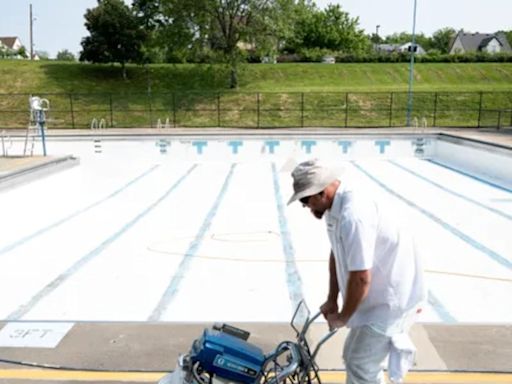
[[440, 309], [470, 176], [475, 244], [293, 279], [493, 210], [39, 232], [54, 284], [172, 288]]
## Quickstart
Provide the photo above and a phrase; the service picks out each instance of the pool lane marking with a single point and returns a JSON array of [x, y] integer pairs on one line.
[[54, 284], [338, 376], [173, 286], [293, 278], [470, 176], [475, 244], [43, 230], [440, 309], [452, 192]]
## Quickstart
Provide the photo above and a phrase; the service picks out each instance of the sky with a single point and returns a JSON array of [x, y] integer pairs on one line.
[[59, 24]]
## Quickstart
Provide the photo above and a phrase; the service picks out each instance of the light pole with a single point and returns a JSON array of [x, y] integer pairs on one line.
[[411, 67], [377, 31], [31, 34]]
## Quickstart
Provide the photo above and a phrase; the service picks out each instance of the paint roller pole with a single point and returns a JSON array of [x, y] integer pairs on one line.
[[411, 67]]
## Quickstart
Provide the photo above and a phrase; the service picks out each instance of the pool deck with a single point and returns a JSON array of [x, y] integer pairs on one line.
[[446, 353]]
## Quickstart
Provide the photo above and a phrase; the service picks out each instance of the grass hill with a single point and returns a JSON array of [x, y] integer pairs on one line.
[[49, 76], [198, 95]]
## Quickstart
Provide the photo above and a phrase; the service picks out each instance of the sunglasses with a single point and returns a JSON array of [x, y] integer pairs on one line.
[[305, 200]]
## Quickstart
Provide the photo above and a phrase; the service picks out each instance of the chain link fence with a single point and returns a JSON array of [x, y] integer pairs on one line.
[[263, 109]]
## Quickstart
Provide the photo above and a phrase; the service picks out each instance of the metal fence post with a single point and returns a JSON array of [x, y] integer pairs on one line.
[[302, 109], [218, 109], [257, 109], [72, 111], [111, 111], [391, 110], [150, 97], [346, 109], [434, 122], [480, 109], [499, 119], [174, 109]]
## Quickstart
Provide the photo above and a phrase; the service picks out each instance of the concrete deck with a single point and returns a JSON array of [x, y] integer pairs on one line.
[[129, 348]]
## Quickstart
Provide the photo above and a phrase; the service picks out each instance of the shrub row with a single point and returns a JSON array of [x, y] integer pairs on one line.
[[317, 55]]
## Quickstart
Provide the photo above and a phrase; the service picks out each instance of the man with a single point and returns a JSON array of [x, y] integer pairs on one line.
[[373, 266]]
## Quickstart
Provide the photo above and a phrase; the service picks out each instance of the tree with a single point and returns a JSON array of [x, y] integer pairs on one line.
[[43, 55], [226, 27], [331, 29], [22, 51], [442, 38], [272, 29], [375, 39], [151, 17], [115, 35], [65, 55], [405, 37], [508, 35], [232, 23]]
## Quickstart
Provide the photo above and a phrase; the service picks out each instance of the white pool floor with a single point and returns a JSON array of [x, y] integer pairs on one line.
[[159, 238]]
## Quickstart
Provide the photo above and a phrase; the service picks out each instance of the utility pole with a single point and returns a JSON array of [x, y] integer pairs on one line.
[[411, 67], [31, 35]]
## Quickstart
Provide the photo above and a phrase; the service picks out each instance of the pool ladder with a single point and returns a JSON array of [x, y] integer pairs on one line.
[[160, 125], [6, 143], [420, 142], [98, 125]]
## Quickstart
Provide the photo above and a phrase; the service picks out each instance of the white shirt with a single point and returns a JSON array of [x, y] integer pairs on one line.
[[363, 237]]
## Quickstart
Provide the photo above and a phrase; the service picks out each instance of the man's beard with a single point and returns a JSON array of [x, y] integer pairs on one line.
[[318, 214]]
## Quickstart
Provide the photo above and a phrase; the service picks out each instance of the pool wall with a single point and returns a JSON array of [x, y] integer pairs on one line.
[[490, 163]]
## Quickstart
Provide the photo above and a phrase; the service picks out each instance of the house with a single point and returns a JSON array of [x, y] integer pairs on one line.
[[10, 47], [390, 48], [386, 48], [407, 48], [13, 43], [479, 42]]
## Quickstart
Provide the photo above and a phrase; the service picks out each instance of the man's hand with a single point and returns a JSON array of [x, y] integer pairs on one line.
[[335, 321], [329, 307]]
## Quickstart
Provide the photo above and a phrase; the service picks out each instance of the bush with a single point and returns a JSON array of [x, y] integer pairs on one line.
[[433, 56]]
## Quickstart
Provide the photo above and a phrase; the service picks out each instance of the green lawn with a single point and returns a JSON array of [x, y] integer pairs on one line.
[[18, 76], [269, 95]]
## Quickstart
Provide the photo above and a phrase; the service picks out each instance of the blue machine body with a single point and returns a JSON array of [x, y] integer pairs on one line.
[[227, 356]]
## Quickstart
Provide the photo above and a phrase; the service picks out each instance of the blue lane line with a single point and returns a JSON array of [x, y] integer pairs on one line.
[[440, 309], [292, 274], [475, 244], [470, 176], [442, 312], [493, 210], [172, 288], [53, 285], [41, 231]]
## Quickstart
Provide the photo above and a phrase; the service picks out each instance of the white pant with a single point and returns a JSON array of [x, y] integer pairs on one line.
[[365, 353]]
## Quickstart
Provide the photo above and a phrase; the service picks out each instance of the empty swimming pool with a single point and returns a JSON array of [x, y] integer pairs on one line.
[[197, 229]]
